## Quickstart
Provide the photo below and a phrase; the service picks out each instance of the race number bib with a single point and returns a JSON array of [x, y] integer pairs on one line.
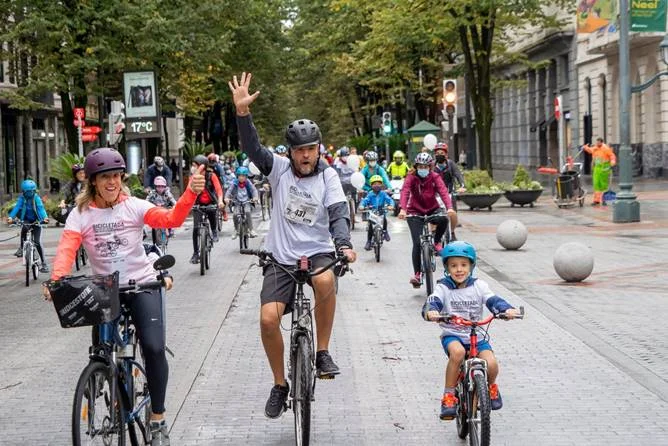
[[300, 207]]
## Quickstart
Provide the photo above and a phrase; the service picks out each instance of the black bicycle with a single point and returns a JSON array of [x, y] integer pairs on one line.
[[427, 250], [472, 391], [205, 236], [241, 223], [302, 372], [112, 392], [376, 217]]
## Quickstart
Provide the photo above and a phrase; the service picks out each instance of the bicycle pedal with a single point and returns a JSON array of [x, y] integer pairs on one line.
[[446, 418], [326, 376]]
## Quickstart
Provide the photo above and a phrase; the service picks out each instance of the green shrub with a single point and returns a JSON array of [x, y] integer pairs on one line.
[[61, 166], [192, 148], [136, 189], [479, 182], [522, 181]]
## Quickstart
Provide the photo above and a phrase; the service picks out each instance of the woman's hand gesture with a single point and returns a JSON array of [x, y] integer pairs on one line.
[[242, 99]]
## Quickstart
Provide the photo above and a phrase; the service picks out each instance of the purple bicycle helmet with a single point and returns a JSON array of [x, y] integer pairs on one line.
[[102, 160]]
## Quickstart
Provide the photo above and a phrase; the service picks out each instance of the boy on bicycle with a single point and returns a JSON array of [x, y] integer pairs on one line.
[[31, 209], [162, 197], [376, 199], [460, 294], [240, 192]]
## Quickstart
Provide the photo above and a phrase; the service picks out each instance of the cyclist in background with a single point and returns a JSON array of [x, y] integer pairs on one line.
[[449, 172], [418, 197], [375, 199], [314, 221], [158, 168], [398, 168], [242, 191], [107, 213], [372, 168], [160, 196], [211, 195], [460, 294], [281, 151], [30, 209], [73, 187]]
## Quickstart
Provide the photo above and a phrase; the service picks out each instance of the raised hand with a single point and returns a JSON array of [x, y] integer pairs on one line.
[[242, 99], [197, 181]]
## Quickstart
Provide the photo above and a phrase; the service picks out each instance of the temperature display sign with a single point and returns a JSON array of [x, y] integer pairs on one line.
[[142, 128]]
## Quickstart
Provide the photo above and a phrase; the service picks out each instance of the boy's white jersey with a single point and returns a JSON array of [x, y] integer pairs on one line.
[[468, 302]]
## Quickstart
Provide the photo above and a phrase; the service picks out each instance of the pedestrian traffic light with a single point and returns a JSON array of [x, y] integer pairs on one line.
[[116, 122], [387, 123]]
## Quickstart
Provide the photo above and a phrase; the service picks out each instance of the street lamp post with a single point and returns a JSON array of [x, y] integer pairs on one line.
[[626, 207]]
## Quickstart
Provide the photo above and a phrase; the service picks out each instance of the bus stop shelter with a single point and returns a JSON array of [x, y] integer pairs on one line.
[[416, 136]]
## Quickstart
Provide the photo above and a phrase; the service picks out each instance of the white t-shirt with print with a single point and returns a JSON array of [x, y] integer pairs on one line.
[[302, 224], [112, 238]]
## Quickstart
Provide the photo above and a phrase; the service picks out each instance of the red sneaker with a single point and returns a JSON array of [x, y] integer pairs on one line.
[[415, 280], [449, 406]]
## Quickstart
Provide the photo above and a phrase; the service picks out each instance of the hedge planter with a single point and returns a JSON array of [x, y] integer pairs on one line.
[[522, 197], [480, 201]]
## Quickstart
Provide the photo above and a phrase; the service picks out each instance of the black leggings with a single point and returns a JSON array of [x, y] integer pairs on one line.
[[197, 219], [37, 238], [415, 226], [146, 308]]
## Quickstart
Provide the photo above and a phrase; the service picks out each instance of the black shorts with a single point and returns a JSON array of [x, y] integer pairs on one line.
[[278, 286]]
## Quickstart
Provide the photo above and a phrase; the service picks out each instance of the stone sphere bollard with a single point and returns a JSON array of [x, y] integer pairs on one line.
[[511, 234], [573, 261]]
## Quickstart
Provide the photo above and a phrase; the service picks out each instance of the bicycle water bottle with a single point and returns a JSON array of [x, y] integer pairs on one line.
[[127, 351]]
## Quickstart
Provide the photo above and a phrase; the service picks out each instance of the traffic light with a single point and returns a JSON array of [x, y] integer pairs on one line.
[[450, 102], [387, 123], [116, 122]]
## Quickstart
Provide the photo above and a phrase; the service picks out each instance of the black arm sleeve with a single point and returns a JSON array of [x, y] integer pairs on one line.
[[339, 225], [250, 144]]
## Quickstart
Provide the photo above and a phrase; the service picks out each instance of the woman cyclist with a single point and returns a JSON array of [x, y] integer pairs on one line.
[[418, 198], [72, 189], [106, 212]]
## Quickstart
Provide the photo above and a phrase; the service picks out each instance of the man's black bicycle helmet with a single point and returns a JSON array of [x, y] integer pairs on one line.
[[302, 132]]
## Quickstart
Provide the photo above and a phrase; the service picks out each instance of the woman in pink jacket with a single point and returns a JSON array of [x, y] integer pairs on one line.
[[418, 198]]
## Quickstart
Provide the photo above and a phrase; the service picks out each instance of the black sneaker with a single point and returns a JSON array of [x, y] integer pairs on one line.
[[19, 252], [325, 367], [276, 404], [194, 259]]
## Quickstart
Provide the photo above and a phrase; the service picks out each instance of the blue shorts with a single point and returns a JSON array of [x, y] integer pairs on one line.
[[482, 345]]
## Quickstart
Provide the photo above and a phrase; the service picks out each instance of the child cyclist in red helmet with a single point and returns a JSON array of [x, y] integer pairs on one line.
[[460, 294], [107, 213]]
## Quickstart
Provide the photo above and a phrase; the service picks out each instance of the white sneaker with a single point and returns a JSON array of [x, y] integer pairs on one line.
[[235, 234], [252, 234]]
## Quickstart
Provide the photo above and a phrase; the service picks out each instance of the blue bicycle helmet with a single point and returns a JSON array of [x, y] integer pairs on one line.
[[241, 170], [280, 149], [459, 249], [28, 185], [344, 151]]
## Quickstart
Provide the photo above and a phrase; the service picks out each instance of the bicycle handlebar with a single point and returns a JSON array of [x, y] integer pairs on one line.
[[458, 320], [41, 224], [268, 256]]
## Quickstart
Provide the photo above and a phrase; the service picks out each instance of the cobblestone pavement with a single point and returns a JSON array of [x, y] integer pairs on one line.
[[584, 368]]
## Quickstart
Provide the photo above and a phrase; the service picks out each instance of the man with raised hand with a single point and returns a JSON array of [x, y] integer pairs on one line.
[[312, 219]]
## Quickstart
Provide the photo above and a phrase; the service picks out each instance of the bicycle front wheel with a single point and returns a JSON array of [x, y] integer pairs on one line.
[[377, 240], [303, 390], [351, 206], [92, 411], [263, 205], [427, 271], [29, 260], [202, 251], [462, 422], [479, 413]]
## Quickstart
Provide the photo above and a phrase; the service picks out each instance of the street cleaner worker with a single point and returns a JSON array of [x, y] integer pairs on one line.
[[312, 219], [603, 160]]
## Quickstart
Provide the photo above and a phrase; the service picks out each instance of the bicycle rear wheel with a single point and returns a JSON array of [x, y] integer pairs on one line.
[[303, 387], [242, 232], [92, 409], [427, 270], [141, 396], [479, 413], [351, 207], [202, 250]]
